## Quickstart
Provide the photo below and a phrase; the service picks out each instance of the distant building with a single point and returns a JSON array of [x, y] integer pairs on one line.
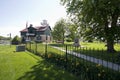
[[37, 33]]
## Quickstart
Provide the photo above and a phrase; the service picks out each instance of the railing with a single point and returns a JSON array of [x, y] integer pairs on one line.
[[85, 63]]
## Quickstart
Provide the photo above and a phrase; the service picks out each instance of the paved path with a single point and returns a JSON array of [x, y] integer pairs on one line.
[[108, 64]]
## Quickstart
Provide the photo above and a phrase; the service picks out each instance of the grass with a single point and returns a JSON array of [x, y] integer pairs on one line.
[[99, 45], [27, 66], [41, 48], [95, 45], [95, 49], [83, 69]]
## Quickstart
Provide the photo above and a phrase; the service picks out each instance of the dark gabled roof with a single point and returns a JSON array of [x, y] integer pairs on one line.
[[41, 28], [24, 30], [38, 28]]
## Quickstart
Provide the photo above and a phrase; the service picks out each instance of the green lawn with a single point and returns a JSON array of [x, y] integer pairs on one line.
[[95, 49], [83, 69], [27, 66], [99, 45], [95, 45]]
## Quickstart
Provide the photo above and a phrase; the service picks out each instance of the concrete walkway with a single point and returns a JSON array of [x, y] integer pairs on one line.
[[104, 63]]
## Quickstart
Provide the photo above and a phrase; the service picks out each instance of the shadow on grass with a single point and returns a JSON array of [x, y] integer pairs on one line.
[[45, 71]]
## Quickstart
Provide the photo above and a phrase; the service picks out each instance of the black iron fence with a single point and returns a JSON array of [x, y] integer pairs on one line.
[[85, 63]]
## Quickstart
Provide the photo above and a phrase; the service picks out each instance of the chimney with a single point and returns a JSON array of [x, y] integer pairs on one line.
[[26, 24]]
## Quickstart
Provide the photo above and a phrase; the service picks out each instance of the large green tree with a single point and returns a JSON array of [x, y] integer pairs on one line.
[[101, 15], [59, 30], [72, 27]]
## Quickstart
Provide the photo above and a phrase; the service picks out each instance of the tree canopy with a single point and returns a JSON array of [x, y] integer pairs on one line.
[[4, 38], [64, 29], [101, 16], [59, 30]]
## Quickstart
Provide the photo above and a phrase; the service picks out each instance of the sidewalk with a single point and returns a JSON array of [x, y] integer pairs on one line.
[[104, 63]]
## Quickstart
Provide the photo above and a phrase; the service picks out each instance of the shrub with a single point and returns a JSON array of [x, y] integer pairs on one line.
[[68, 40], [16, 40], [38, 41]]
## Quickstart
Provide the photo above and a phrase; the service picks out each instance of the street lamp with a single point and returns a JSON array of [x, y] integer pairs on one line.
[[10, 38]]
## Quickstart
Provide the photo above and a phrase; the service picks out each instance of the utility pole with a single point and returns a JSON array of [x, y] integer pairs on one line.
[[10, 39]]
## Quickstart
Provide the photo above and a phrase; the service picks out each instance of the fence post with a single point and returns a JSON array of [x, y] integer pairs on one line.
[[66, 57], [36, 48], [30, 46], [46, 50]]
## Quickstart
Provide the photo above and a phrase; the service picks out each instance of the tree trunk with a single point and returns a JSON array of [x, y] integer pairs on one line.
[[109, 35], [63, 41], [111, 32], [110, 46], [63, 38]]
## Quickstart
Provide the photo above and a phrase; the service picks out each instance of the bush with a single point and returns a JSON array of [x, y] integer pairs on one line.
[[68, 40], [38, 41], [16, 40], [90, 41]]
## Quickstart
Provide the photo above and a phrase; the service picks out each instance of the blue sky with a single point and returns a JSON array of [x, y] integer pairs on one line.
[[15, 13]]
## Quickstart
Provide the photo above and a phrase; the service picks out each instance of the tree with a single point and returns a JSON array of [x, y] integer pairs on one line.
[[59, 30], [4, 38], [1, 37], [70, 29], [16, 40], [101, 15]]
